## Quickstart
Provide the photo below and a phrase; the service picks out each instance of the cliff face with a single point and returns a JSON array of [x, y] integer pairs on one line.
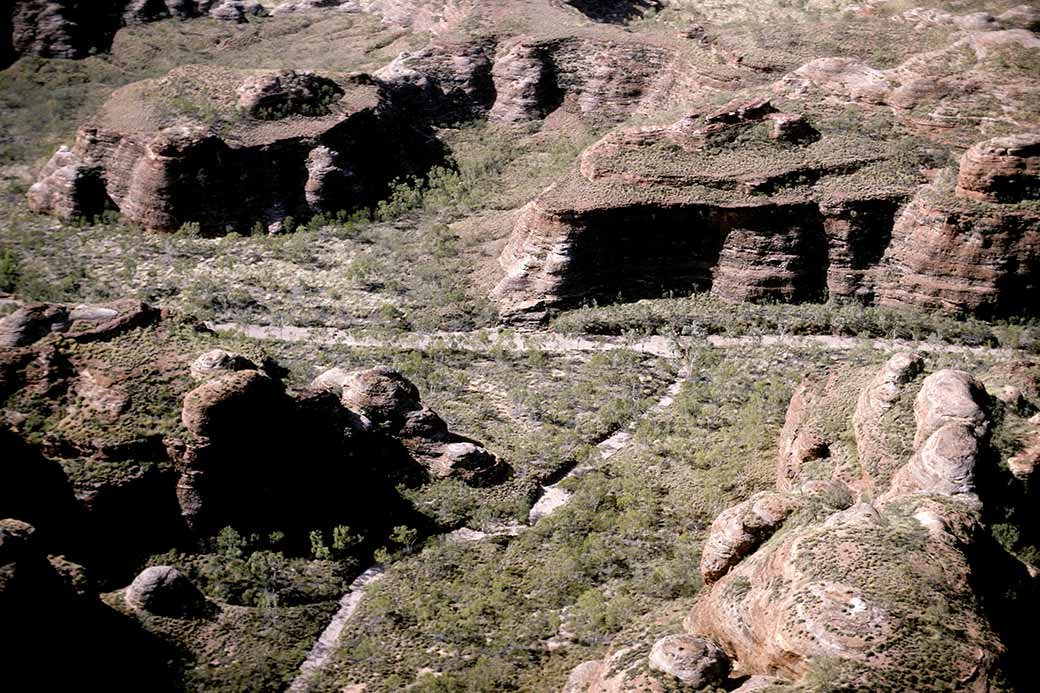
[[655, 210], [234, 165], [76, 28]]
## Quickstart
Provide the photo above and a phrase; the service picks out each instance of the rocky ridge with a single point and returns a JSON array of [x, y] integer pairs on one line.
[[281, 143], [783, 221], [848, 568], [216, 453]]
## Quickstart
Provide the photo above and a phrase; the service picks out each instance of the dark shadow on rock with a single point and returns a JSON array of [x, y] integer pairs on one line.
[[614, 11]]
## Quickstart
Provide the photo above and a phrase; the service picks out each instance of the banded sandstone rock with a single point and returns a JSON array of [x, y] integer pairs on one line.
[[308, 152]]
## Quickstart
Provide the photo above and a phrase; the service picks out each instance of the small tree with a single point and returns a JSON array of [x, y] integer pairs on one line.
[[318, 547]]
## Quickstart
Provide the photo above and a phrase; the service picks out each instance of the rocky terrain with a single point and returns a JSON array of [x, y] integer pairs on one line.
[[519, 345]]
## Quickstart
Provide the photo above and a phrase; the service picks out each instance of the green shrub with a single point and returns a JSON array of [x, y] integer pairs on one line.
[[10, 271]]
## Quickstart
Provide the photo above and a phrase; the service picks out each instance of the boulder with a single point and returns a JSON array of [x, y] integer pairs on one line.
[[740, 530], [467, 461], [216, 362], [383, 399], [232, 404], [696, 662], [164, 591], [30, 323], [381, 394]]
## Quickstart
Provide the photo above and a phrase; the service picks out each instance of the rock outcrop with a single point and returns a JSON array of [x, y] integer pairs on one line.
[[1004, 169], [696, 662], [899, 587], [789, 217], [738, 531], [76, 28], [952, 429], [385, 399], [974, 249], [68, 188], [879, 448], [850, 585], [444, 82], [278, 144], [217, 362], [653, 210], [31, 323], [165, 591]]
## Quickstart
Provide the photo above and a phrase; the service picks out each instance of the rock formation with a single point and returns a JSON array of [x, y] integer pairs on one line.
[[653, 210], [145, 443], [739, 530], [443, 82], [895, 593], [164, 591], [1004, 169], [789, 217], [975, 248], [389, 402], [279, 144], [75, 28], [696, 662]]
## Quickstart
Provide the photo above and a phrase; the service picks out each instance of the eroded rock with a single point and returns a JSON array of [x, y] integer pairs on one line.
[[164, 591], [739, 530], [383, 398], [31, 323], [216, 362], [696, 662], [67, 187], [163, 169], [1002, 170]]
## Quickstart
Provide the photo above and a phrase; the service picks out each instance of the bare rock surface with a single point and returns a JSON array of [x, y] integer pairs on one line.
[[696, 662], [444, 82], [30, 323], [216, 362], [952, 427], [67, 188], [1004, 169], [165, 591], [738, 531]]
